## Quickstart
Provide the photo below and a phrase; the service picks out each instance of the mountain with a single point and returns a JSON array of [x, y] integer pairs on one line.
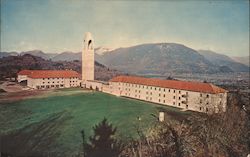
[[67, 56], [243, 60], [9, 66], [6, 54], [160, 58], [102, 50], [39, 53], [223, 60]]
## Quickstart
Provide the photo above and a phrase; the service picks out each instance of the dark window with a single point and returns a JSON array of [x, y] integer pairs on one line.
[[207, 96], [186, 106], [200, 108], [159, 89], [169, 90], [174, 103], [179, 92], [179, 98], [159, 94], [200, 95], [159, 100], [174, 91], [179, 104], [164, 95], [174, 97]]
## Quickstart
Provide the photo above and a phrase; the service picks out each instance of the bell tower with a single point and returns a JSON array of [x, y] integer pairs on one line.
[[88, 60]]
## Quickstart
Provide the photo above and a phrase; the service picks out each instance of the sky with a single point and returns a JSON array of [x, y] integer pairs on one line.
[[54, 26]]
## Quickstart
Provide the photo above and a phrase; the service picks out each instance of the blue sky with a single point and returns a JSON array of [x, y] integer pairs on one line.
[[59, 25]]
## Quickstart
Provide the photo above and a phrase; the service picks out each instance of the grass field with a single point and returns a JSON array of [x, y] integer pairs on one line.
[[51, 123]]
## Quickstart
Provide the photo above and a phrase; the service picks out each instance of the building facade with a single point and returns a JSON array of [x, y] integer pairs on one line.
[[23, 75], [195, 96], [45, 79]]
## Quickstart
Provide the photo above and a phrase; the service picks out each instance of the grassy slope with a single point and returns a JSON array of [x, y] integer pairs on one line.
[[53, 123]]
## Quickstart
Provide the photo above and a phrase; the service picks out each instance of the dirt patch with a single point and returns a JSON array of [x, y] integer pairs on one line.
[[16, 96], [12, 87]]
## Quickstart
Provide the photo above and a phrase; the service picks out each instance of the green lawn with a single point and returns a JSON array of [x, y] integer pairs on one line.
[[52, 123]]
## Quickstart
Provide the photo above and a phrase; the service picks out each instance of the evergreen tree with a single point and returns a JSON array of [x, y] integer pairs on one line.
[[102, 143]]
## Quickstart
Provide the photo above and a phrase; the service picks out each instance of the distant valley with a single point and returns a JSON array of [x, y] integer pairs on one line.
[[155, 59]]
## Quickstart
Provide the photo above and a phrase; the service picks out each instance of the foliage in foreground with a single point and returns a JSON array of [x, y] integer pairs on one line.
[[217, 135], [102, 143]]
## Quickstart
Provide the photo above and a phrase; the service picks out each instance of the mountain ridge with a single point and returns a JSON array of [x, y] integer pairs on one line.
[[153, 58]]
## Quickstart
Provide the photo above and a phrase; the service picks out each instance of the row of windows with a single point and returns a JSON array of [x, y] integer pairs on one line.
[[59, 78], [59, 82], [49, 86], [147, 87], [155, 88]]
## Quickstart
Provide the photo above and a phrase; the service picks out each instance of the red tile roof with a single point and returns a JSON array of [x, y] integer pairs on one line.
[[174, 84], [50, 73], [24, 72]]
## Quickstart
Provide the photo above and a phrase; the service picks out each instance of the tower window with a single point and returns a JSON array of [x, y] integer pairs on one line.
[[90, 44]]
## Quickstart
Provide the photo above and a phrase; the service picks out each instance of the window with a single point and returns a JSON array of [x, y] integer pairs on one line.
[[159, 100], [186, 106], [150, 93], [200, 101], [163, 101], [179, 98], [207, 96], [179, 104], [200, 108], [43, 82], [174, 91], [155, 88], [179, 92], [174, 97], [200, 95], [159, 94], [164, 95], [150, 87], [139, 91], [164, 89], [159, 89], [169, 90], [173, 103], [146, 92]]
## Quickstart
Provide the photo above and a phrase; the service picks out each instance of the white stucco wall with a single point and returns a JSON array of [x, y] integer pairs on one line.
[[188, 100], [43, 83], [21, 78]]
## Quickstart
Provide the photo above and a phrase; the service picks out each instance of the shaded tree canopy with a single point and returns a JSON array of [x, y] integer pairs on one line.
[[102, 143]]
